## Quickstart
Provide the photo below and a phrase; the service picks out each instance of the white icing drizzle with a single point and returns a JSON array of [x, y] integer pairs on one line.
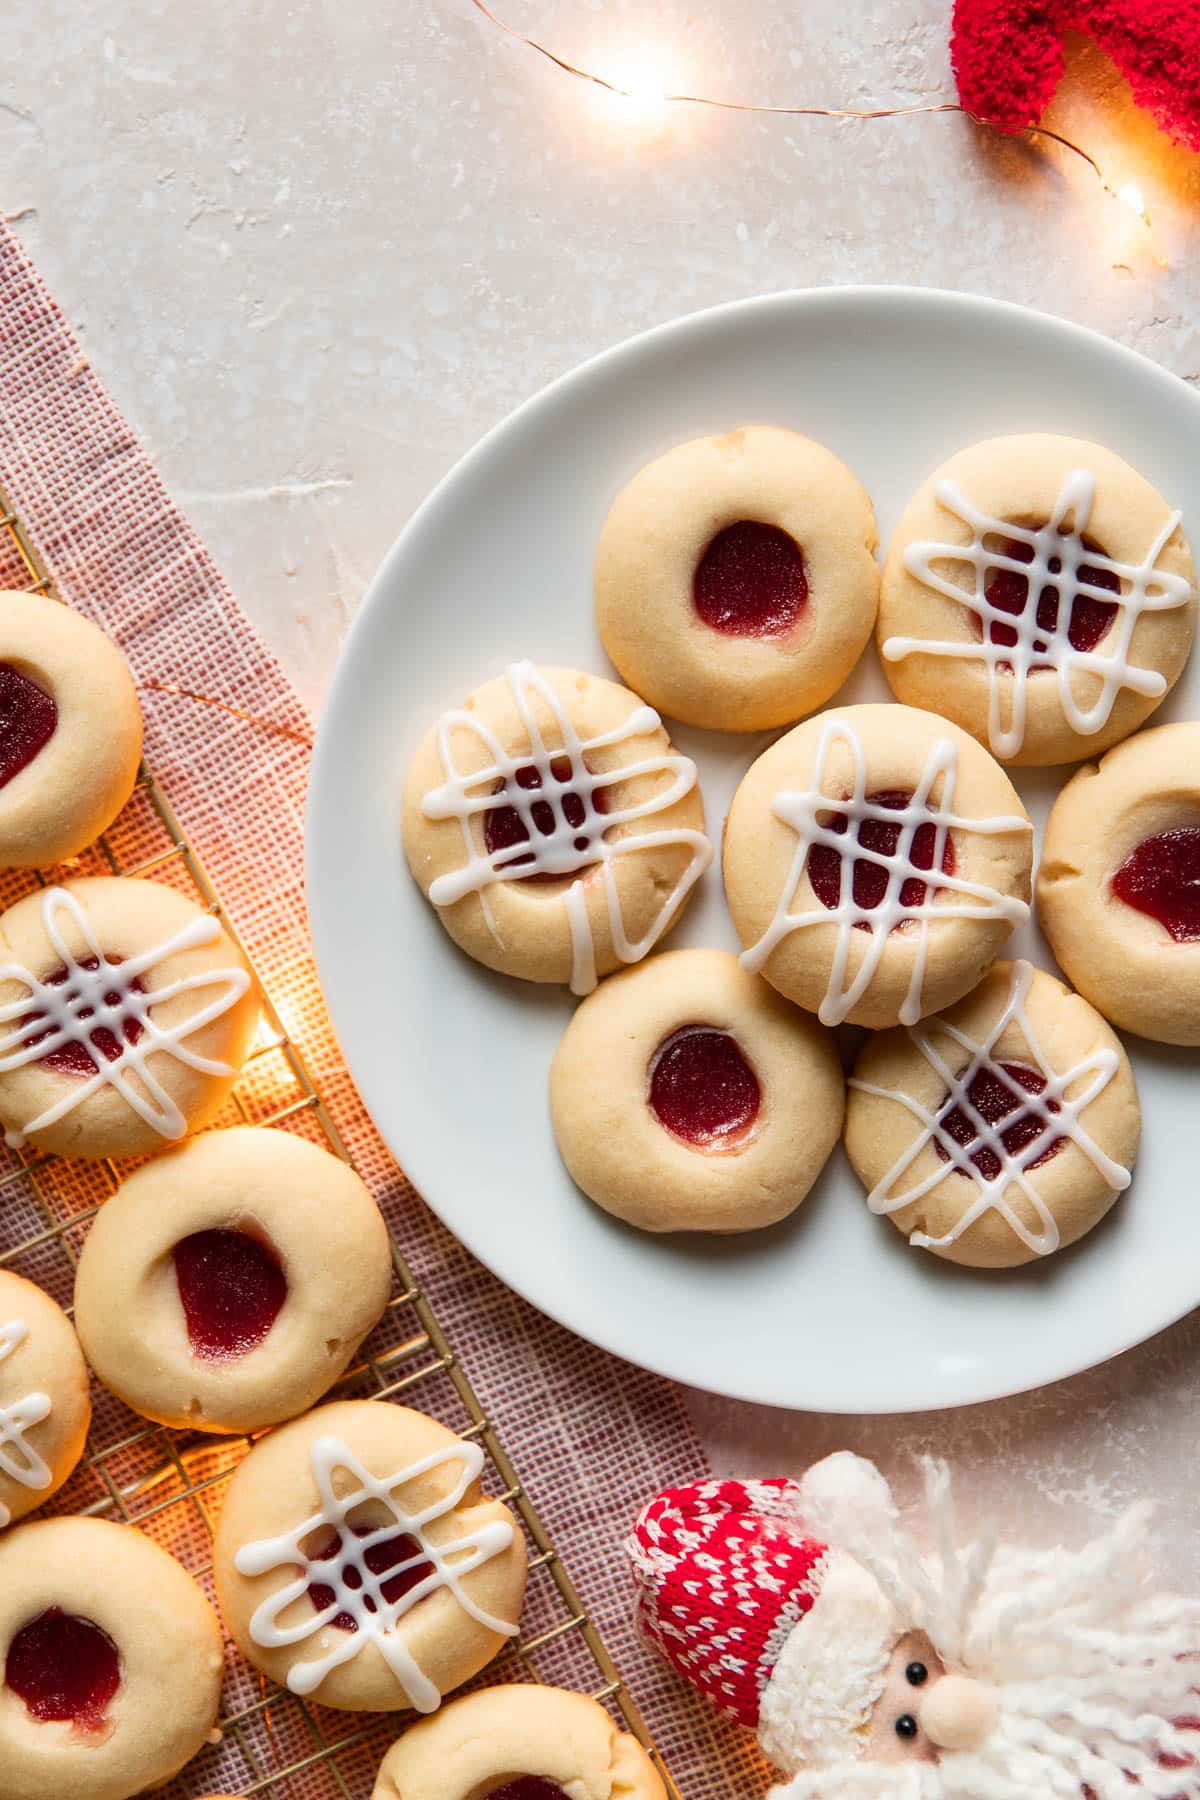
[[566, 849], [55, 1015], [969, 899], [363, 1599], [1143, 589], [18, 1459], [992, 1192]]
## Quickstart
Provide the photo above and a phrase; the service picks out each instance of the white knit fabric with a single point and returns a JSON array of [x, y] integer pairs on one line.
[[830, 1671]]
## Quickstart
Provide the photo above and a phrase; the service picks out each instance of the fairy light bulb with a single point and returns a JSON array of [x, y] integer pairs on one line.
[[639, 84], [1131, 195]]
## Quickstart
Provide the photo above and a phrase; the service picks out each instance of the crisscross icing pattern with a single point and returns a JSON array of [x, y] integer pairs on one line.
[[52, 1015], [1056, 1109], [18, 1459], [359, 1592], [812, 815], [565, 849], [1058, 561]]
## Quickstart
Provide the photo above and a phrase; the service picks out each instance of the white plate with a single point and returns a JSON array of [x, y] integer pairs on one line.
[[830, 1310]]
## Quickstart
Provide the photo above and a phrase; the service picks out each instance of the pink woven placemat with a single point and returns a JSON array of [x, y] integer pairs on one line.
[[592, 1438]]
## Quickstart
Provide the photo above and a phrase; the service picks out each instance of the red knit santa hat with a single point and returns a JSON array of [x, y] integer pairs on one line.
[[788, 1636]]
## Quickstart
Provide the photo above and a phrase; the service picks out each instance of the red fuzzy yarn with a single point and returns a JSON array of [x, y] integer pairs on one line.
[[1008, 56]]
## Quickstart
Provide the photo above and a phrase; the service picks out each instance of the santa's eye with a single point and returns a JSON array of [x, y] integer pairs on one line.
[[906, 1726], [916, 1674]]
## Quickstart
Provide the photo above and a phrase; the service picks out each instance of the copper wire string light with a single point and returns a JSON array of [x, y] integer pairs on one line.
[[1129, 195]]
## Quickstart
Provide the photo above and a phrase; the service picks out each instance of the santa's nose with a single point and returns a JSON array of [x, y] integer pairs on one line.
[[958, 1714]]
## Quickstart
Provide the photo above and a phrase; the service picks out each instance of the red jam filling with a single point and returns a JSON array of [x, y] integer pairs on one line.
[[505, 829], [870, 879], [65, 1669], [28, 717], [1009, 593], [751, 581], [73, 1057], [232, 1288], [528, 1787], [994, 1100], [387, 1554], [1162, 878], [702, 1089]]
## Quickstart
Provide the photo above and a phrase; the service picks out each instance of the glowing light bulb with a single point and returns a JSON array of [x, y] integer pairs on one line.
[[1132, 196], [642, 85]]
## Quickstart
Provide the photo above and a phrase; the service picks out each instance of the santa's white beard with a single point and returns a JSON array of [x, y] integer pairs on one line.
[[1090, 1669]]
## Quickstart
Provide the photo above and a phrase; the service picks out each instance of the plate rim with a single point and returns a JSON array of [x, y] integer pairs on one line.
[[322, 792]]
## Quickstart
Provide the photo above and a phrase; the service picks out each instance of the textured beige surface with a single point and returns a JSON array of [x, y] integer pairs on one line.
[[48, 1361], [311, 293], [274, 1491], [1123, 960], [167, 1639], [480, 1742], [326, 1232], [127, 918], [630, 1164], [654, 538], [81, 778], [1020, 478], [760, 851]]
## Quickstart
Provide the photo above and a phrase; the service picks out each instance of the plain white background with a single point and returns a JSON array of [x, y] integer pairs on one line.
[[317, 249]]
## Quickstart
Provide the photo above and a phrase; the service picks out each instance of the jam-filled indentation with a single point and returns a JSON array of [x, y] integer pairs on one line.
[[398, 1560], [527, 1787], [232, 1288], [1162, 879], [569, 817], [991, 1094], [702, 1088], [65, 1669], [28, 720], [869, 880], [751, 581], [1088, 619], [103, 1041]]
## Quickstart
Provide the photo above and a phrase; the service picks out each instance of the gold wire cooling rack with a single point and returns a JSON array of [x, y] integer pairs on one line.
[[164, 1482]]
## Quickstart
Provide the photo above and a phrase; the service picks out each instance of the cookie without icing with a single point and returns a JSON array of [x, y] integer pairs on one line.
[[45, 1405], [687, 1096], [553, 827], [736, 582], [875, 859], [70, 732], [358, 1561], [111, 1660], [557, 1743], [140, 1014], [227, 1284], [1039, 592], [1001, 1130], [1119, 883]]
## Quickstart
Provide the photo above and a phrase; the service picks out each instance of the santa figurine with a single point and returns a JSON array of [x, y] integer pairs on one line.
[[874, 1669]]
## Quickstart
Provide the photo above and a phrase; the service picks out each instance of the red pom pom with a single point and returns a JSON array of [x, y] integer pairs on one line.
[[1008, 56]]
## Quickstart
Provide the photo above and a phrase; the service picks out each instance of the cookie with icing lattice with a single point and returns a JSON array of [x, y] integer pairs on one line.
[[1041, 593], [553, 827], [125, 1015], [358, 1561], [1001, 1130], [875, 860]]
